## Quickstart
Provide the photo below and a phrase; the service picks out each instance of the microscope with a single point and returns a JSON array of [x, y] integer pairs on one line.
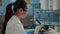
[[41, 29]]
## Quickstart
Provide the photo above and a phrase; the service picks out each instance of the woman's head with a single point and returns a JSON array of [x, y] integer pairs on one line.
[[19, 9]]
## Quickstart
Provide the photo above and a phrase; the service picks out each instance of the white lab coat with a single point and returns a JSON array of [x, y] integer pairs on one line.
[[14, 26]]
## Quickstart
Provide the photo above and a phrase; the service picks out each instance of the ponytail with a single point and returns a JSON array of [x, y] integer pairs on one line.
[[8, 15]]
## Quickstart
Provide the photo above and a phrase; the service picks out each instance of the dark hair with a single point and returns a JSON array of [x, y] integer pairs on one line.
[[9, 11]]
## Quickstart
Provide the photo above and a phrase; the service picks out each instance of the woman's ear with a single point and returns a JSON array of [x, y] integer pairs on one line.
[[20, 10]]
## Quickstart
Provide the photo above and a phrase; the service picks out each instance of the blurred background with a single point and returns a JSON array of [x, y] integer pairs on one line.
[[46, 12]]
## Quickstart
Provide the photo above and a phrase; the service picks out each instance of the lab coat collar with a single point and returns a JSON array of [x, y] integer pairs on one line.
[[16, 17]]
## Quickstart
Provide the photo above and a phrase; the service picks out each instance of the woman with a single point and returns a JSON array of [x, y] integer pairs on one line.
[[14, 12]]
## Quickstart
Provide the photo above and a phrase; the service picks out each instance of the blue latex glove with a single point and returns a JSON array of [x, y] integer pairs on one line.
[[30, 32]]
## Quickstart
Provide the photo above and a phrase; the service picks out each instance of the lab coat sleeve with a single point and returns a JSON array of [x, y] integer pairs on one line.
[[15, 29]]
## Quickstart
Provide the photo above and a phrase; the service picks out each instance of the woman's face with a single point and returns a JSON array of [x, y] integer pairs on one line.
[[22, 13]]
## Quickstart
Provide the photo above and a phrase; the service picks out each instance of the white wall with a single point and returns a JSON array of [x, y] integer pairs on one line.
[[59, 4], [55, 4], [45, 4], [42, 4]]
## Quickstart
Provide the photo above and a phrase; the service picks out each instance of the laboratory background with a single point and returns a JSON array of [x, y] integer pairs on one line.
[[40, 12]]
